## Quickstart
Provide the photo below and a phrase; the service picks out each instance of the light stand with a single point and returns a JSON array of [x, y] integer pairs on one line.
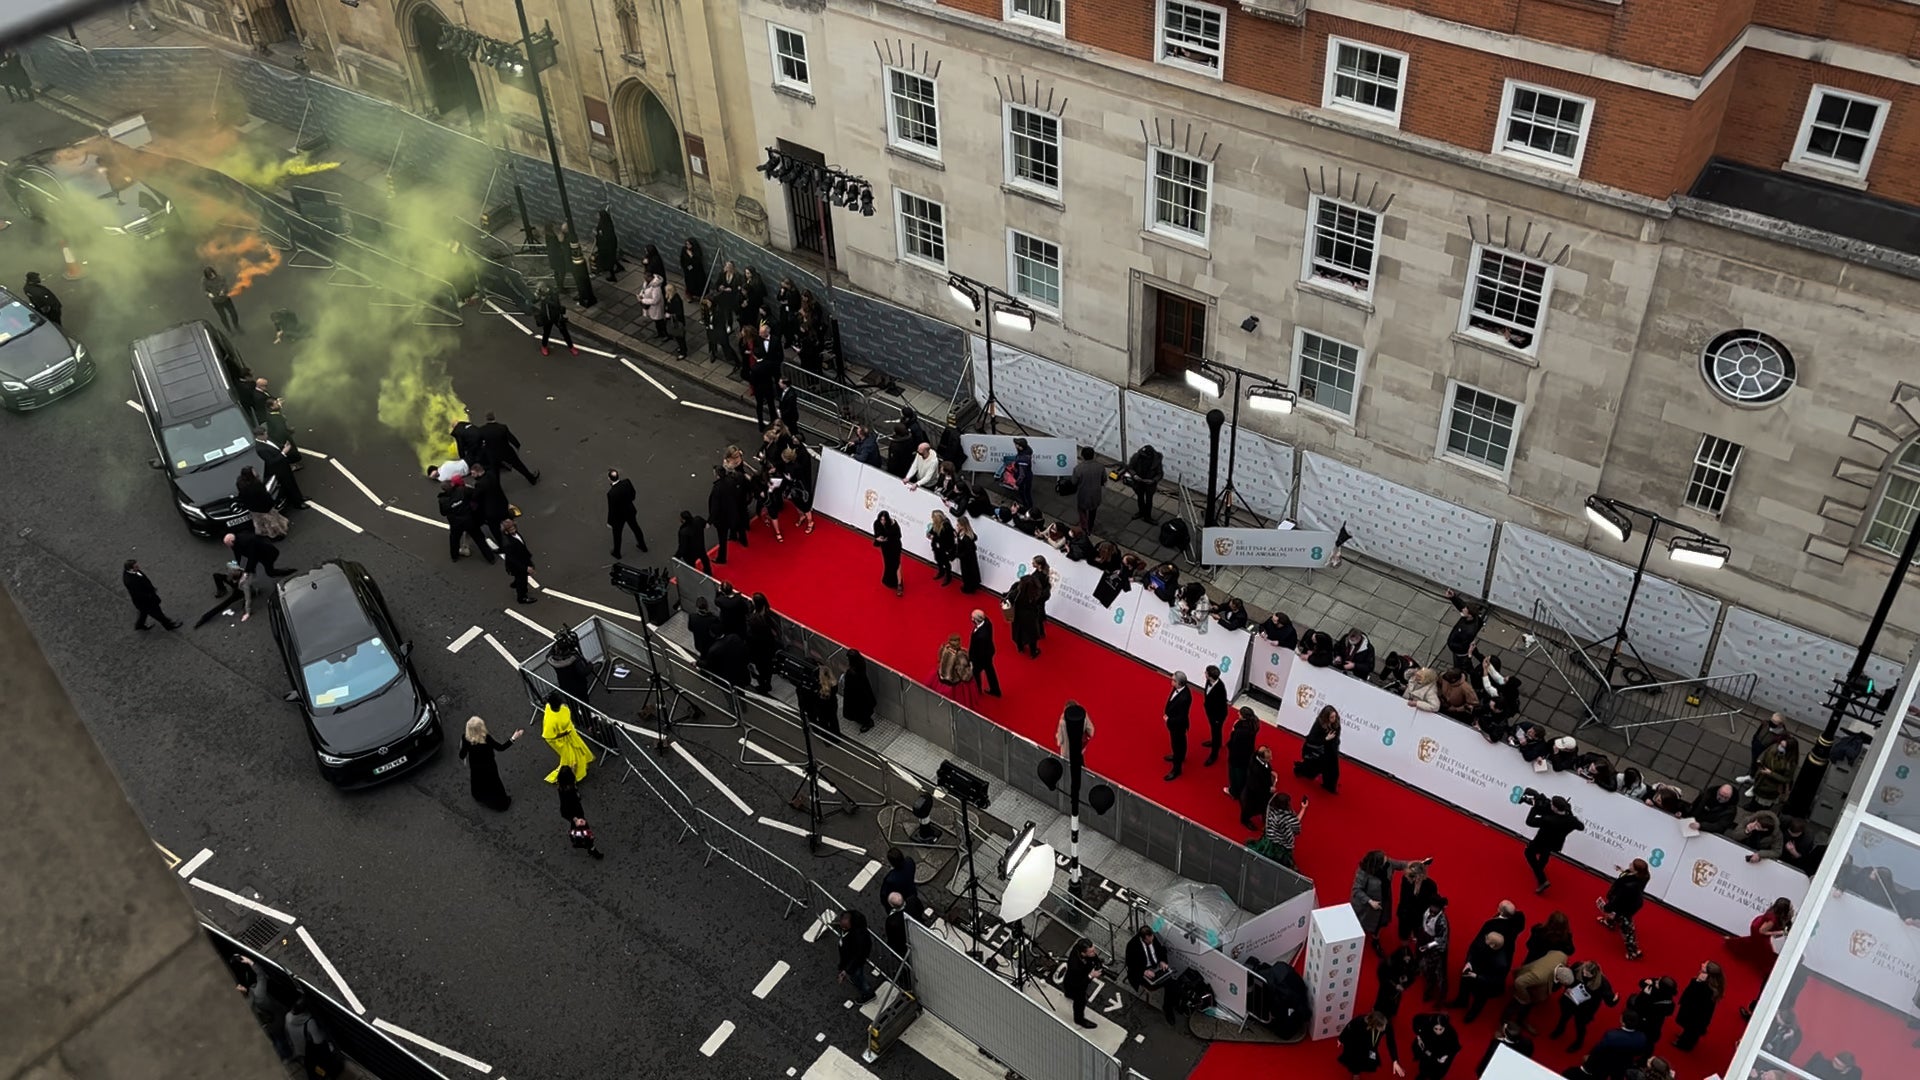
[[809, 786], [969, 791], [824, 184], [993, 304], [1851, 693], [665, 697], [1267, 395], [1691, 546], [1100, 798]]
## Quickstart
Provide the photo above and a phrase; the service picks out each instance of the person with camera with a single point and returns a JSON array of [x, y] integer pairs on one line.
[[1083, 969], [1143, 474], [1360, 1044], [1552, 821], [1148, 970]]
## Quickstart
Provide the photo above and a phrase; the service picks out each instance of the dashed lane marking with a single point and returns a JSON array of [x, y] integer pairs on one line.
[[528, 623], [308, 451], [657, 384], [136, 406], [465, 639], [571, 599], [776, 759], [719, 411], [701, 768], [332, 972], [775, 823], [236, 898], [335, 518], [719, 1036], [497, 310], [428, 1044], [865, 875], [595, 352], [364, 489], [411, 516], [196, 862], [501, 649], [770, 980], [813, 932]]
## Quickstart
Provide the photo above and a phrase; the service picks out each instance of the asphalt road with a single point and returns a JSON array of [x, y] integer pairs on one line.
[[483, 932]]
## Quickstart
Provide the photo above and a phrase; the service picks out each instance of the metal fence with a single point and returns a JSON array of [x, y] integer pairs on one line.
[[760, 864]]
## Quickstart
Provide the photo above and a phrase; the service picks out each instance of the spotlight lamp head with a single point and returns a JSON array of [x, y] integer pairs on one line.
[[962, 293], [1205, 381], [1702, 551], [1273, 399], [767, 167], [1608, 518], [866, 202], [1250, 323], [1013, 316]]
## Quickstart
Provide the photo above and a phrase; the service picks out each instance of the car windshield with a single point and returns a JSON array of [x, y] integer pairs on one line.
[[16, 319], [202, 443], [358, 672]]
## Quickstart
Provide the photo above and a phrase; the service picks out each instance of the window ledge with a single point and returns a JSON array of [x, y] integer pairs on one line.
[[793, 92], [1034, 194], [1337, 295], [1505, 352], [634, 60], [1548, 165], [1825, 174], [1474, 468], [1177, 243], [916, 157]]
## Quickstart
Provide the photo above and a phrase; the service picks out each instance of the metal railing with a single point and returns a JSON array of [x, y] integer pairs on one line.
[[1680, 701], [757, 862], [1562, 652]]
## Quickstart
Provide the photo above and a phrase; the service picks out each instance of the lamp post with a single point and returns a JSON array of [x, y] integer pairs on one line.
[[825, 184], [1000, 306], [1074, 720], [1854, 689], [1209, 377], [1690, 547], [582, 273]]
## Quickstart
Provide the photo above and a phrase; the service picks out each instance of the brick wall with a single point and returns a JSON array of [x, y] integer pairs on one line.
[[1702, 130], [1763, 119], [1878, 24], [1118, 26]]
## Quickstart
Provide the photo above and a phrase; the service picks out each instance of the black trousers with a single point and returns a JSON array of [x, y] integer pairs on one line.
[[1571, 1014], [723, 532], [461, 531], [1537, 860], [766, 407], [547, 329], [1080, 1005], [983, 669], [1177, 736], [510, 459], [519, 583], [1213, 733], [698, 558], [1143, 500], [630, 522], [229, 315], [151, 609]]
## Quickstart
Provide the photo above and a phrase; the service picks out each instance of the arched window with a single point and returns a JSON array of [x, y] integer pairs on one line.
[[629, 20], [1899, 502]]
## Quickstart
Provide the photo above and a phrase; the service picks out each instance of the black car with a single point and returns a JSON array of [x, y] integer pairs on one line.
[[38, 361], [187, 380], [88, 184], [367, 715]]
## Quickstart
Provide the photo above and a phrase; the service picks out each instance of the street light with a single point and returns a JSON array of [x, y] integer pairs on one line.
[[540, 51], [1074, 719], [824, 184], [1005, 309], [1209, 377], [1690, 548]]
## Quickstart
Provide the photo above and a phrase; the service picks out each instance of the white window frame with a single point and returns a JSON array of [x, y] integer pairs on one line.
[[1467, 461], [1346, 105], [1308, 260], [894, 139], [1907, 473], [1300, 335], [1012, 14], [900, 196], [1177, 232], [1219, 52], [1711, 467], [1524, 153], [1803, 158], [1467, 313], [1060, 270], [1012, 176], [780, 78]]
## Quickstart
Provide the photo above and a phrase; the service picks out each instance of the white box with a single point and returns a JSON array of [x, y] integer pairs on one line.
[[1336, 947]]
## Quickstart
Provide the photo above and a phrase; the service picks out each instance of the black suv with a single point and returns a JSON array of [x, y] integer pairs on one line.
[[86, 184], [187, 379], [38, 361]]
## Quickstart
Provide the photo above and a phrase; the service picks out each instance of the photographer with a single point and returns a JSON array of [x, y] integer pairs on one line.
[[1147, 969], [1143, 474], [1083, 968], [1552, 821]]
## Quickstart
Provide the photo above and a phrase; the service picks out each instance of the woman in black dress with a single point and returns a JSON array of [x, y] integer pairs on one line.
[[1697, 1002], [886, 537], [1045, 573], [1360, 1046], [1320, 753], [945, 547], [820, 701], [763, 642], [1417, 890], [856, 692], [693, 268], [606, 246], [1028, 601], [966, 547], [478, 749]]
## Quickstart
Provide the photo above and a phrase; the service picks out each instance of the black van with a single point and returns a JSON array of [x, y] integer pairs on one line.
[[188, 381]]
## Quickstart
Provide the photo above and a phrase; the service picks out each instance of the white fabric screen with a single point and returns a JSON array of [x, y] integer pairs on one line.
[[1795, 668], [1395, 524], [1049, 398]]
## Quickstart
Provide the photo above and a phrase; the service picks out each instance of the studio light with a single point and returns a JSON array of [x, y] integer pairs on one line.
[[1272, 399], [962, 293], [866, 201], [927, 832], [1698, 551], [1608, 518], [1017, 850], [962, 784], [1013, 316], [1209, 384]]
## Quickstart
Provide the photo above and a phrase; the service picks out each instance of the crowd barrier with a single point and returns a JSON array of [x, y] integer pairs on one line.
[[1704, 875]]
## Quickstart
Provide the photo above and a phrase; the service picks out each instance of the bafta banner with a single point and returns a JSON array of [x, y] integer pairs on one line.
[[1867, 949], [1268, 666], [1157, 636], [1297, 548], [1051, 457], [1274, 936], [1716, 884], [1375, 726]]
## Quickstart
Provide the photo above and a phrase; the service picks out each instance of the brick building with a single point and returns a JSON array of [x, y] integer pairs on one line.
[[1509, 252]]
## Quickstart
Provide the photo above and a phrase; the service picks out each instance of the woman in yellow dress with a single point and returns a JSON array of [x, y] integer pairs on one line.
[[557, 728]]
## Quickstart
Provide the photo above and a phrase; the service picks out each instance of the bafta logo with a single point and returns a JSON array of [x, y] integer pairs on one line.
[[1860, 943], [1426, 750], [979, 451], [1303, 696], [871, 498], [1273, 680], [1223, 546], [1704, 872], [1152, 625], [1892, 794]]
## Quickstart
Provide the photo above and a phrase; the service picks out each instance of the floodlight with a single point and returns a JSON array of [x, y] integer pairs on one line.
[[1017, 850], [962, 292], [1698, 551], [1205, 382], [1608, 519], [1274, 399], [1013, 316]]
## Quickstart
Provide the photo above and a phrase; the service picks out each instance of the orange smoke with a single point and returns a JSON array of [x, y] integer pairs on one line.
[[250, 257]]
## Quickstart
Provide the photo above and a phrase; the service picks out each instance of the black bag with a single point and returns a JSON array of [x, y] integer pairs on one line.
[[322, 1058], [1066, 485], [1174, 533]]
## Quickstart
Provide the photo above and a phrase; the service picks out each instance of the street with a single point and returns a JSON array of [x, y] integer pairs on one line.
[[482, 932]]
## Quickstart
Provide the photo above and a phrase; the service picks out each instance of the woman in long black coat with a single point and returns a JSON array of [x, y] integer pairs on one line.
[[763, 642], [966, 547], [1241, 740], [478, 749], [1417, 890], [693, 268], [606, 245], [856, 692], [1360, 1046], [1256, 786], [886, 537], [1029, 602]]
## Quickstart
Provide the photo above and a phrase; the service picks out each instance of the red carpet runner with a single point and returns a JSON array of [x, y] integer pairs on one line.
[[830, 581]]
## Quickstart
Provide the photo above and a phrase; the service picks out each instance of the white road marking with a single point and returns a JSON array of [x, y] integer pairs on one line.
[[596, 352], [701, 768], [590, 604], [136, 406], [860, 880], [196, 862], [842, 845], [819, 927], [776, 759], [643, 732], [720, 412], [798, 831], [332, 972], [335, 518], [454, 1055], [236, 898], [770, 980], [364, 489], [465, 639], [421, 518], [528, 623], [657, 384], [497, 310], [718, 1037], [308, 451], [502, 650]]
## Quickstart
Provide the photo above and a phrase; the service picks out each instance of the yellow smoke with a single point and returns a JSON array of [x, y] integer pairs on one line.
[[417, 400]]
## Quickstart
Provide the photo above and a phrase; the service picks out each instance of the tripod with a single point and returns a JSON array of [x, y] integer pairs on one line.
[[1025, 955], [660, 699]]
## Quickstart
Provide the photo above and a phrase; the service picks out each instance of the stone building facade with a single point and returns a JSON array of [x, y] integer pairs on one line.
[[1510, 252]]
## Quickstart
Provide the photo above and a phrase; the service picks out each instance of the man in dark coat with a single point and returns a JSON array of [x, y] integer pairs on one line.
[[765, 376], [551, 314], [466, 442], [1552, 821], [704, 625], [691, 545], [519, 561], [463, 521], [490, 505], [1178, 710], [787, 402], [980, 652], [862, 446], [1466, 630], [281, 432], [729, 660], [41, 299], [734, 609], [1083, 962], [502, 450], [251, 550], [278, 467], [1213, 702], [620, 511], [1148, 969], [856, 947], [720, 510], [146, 598]]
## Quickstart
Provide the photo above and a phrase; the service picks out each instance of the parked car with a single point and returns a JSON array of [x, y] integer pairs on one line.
[[39, 363], [89, 183], [187, 379], [366, 713]]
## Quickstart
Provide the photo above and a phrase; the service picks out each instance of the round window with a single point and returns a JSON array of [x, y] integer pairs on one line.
[[1747, 367]]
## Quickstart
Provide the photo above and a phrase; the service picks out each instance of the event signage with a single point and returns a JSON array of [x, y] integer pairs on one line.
[[1714, 882], [1225, 975], [1867, 949], [1336, 947], [1157, 636], [1374, 725], [1297, 548], [1051, 457], [1275, 935]]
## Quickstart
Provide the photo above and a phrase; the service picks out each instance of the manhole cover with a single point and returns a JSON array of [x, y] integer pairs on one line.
[[260, 934]]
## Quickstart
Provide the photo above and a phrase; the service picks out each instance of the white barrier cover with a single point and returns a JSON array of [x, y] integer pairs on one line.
[[1375, 726], [1156, 635], [1274, 935], [1895, 794], [1298, 548], [1227, 976], [1793, 668], [1867, 949], [1044, 396], [1335, 948], [1716, 884], [1051, 457], [1429, 536], [1269, 665]]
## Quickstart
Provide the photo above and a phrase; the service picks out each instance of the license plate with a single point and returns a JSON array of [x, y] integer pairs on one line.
[[59, 386], [390, 766]]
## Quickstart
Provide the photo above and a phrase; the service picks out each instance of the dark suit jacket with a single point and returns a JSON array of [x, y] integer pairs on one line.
[[734, 609], [1179, 707], [693, 540], [252, 549], [620, 499], [705, 628], [980, 644], [271, 455], [1141, 956], [496, 440], [514, 551], [489, 499], [139, 588], [789, 402], [1215, 703]]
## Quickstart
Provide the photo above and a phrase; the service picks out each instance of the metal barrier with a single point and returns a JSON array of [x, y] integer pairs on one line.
[[760, 864], [1563, 652], [1651, 704]]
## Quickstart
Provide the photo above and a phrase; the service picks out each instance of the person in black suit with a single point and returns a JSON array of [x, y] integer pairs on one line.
[[980, 652], [620, 512], [720, 510], [734, 609], [1213, 701], [787, 402], [856, 947], [490, 503], [502, 449], [277, 467], [704, 625], [886, 537], [252, 550], [691, 547], [146, 598], [728, 659], [1552, 821], [1179, 706], [765, 376], [519, 560], [1083, 965], [1147, 969], [901, 878], [896, 924], [1435, 1045], [462, 520], [466, 442]]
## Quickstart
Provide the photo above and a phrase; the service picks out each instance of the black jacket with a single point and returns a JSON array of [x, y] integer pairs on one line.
[[466, 441], [727, 660], [1241, 740], [705, 628], [1140, 956], [980, 644], [518, 558], [497, 441], [1214, 703], [252, 549], [1696, 1005], [693, 540], [1078, 978], [886, 536], [734, 609], [856, 943], [1489, 965], [693, 268], [1179, 708], [139, 588], [1552, 827], [455, 507], [789, 403], [1434, 1051], [42, 300], [720, 503], [620, 499], [549, 311], [489, 498]]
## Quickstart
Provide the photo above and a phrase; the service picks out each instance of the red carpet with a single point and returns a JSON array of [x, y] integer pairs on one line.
[[830, 581], [1835, 1019]]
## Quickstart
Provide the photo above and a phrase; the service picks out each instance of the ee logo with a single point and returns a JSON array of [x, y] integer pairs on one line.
[[1516, 795], [1315, 554], [1021, 570], [1386, 737], [1119, 615], [1060, 461], [1226, 664], [1274, 659], [1901, 772], [1656, 857]]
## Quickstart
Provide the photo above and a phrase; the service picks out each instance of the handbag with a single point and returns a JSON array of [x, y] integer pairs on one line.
[[1006, 608], [1066, 485], [1008, 477]]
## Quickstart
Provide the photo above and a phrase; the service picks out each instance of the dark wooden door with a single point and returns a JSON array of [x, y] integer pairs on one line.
[[1180, 333]]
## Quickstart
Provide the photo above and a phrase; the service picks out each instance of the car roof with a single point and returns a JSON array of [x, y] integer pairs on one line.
[[184, 372], [323, 611]]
